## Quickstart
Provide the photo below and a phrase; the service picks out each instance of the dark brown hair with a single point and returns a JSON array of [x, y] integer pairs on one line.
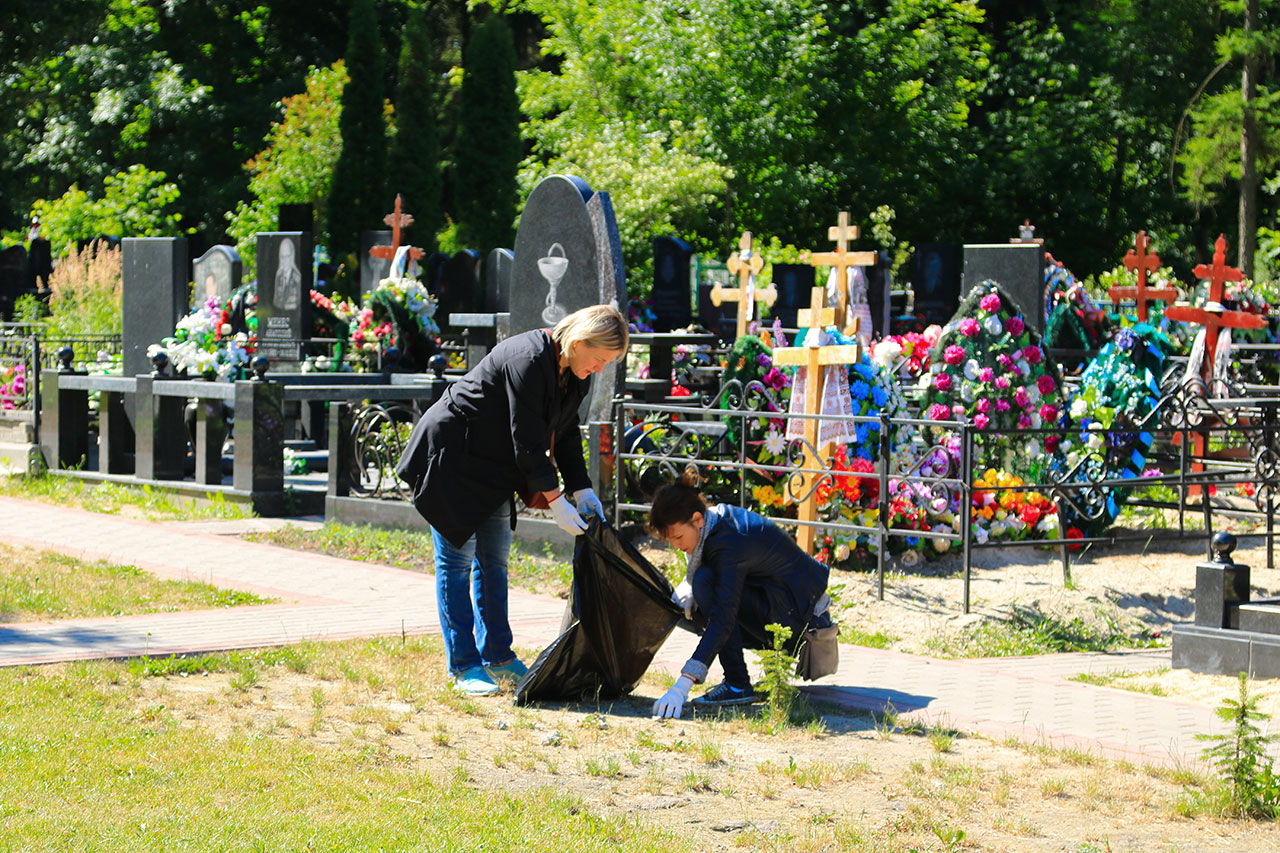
[[675, 503]]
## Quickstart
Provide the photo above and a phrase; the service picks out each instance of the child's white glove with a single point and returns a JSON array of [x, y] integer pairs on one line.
[[683, 596]]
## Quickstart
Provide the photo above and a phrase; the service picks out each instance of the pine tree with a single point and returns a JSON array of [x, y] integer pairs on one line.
[[358, 199], [414, 162], [487, 152]]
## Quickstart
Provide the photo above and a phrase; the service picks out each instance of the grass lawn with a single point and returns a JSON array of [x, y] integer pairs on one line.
[[154, 504], [38, 585]]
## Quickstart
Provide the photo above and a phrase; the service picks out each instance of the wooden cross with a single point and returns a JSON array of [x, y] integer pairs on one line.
[[1139, 260], [744, 263], [1213, 317], [842, 259], [813, 358], [396, 220]]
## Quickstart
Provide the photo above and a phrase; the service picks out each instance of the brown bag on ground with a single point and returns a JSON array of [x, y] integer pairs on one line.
[[819, 654]]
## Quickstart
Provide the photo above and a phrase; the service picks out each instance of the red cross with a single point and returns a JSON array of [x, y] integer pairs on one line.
[[396, 220], [1214, 319], [1143, 262]]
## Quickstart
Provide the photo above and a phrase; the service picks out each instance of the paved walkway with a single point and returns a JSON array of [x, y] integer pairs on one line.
[[322, 597]]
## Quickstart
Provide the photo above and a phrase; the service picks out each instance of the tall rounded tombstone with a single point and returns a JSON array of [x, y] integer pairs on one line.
[[568, 256]]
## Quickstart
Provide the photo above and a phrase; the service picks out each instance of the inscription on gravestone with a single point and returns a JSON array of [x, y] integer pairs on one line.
[[215, 275], [284, 294], [373, 269], [153, 295], [1019, 270], [794, 283], [671, 292]]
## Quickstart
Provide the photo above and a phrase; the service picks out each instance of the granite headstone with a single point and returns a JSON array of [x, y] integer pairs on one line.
[[153, 296], [794, 283], [40, 263], [497, 281], [284, 294], [215, 275], [721, 320], [935, 280], [671, 292], [1019, 270], [14, 278], [373, 270], [458, 284], [296, 216]]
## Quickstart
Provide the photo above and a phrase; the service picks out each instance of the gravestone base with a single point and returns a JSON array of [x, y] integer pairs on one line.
[[1226, 651]]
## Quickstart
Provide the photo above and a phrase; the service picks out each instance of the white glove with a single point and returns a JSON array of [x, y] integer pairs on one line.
[[567, 517], [683, 596], [588, 503], [672, 702]]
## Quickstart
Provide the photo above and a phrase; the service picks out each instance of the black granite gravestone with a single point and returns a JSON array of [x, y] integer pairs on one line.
[[935, 280], [1019, 270], [297, 216], [721, 320], [671, 292], [284, 294], [14, 277], [497, 281], [880, 294], [373, 270], [215, 275], [153, 295], [568, 254], [794, 283], [39, 263], [458, 284]]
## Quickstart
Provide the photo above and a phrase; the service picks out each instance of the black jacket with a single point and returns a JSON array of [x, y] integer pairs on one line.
[[489, 436], [746, 549]]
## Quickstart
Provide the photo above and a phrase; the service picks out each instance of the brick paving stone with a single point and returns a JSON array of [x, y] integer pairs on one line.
[[320, 597]]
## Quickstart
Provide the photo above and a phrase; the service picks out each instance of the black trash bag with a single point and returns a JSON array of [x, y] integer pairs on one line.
[[622, 614]]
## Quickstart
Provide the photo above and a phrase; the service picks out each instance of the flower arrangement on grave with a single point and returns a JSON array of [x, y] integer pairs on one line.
[[640, 315], [1003, 511], [330, 319], [399, 312], [1073, 320], [751, 360], [1108, 417], [204, 344], [13, 386], [989, 367], [906, 355], [1177, 334]]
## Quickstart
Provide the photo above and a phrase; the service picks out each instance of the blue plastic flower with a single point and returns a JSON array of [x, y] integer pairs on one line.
[[859, 390], [912, 541], [879, 396]]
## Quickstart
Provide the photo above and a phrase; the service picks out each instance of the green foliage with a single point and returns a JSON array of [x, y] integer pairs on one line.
[[297, 163], [488, 148], [1241, 757], [1029, 631], [85, 294], [357, 199], [134, 203], [413, 162], [778, 666], [882, 230]]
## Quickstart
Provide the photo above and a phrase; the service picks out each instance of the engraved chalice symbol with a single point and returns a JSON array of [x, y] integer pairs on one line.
[[553, 268]]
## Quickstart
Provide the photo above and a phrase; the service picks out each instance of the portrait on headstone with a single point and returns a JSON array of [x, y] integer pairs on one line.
[[215, 275], [288, 280]]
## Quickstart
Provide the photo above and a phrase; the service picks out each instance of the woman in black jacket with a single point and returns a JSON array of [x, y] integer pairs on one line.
[[491, 434], [743, 574]]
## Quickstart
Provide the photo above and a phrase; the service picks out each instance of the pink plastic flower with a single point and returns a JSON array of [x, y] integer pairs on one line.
[[957, 410], [1046, 384], [942, 382], [1002, 405], [1014, 326], [969, 327], [1022, 398], [981, 421], [932, 334], [990, 302], [1024, 421], [1048, 413], [983, 405], [1004, 361], [1033, 354], [953, 354], [986, 374], [1002, 382], [1051, 442], [939, 412]]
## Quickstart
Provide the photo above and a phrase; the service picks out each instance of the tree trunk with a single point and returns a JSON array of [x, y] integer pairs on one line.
[[1248, 217]]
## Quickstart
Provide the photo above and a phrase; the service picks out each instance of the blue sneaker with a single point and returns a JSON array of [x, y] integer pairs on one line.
[[475, 682], [724, 695], [513, 671]]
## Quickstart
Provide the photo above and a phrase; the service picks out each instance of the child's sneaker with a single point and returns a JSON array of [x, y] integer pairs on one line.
[[725, 694]]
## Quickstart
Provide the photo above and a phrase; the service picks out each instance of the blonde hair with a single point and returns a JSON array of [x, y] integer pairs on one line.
[[599, 326]]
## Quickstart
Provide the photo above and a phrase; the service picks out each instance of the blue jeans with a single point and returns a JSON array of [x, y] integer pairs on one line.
[[471, 592]]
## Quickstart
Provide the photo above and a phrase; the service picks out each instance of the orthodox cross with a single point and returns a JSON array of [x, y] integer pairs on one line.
[[1140, 260], [1212, 315], [813, 358], [842, 259], [744, 263], [397, 220]]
